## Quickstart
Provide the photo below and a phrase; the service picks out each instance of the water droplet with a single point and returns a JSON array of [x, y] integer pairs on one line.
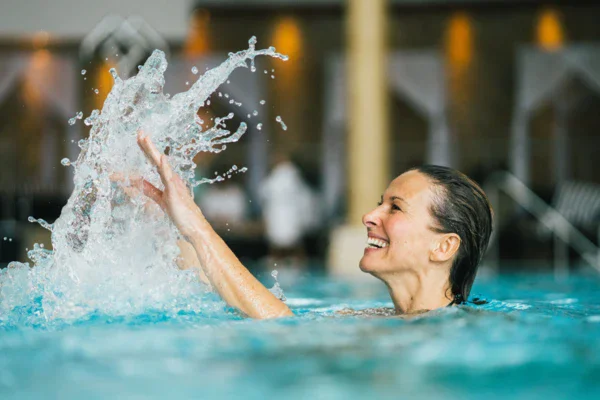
[[262, 102], [252, 42], [228, 81], [83, 71], [139, 67], [283, 125], [5, 238], [66, 162], [113, 72], [265, 71], [226, 96], [231, 101], [259, 127], [272, 76], [273, 70], [255, 113], [208, 102], [194, 70], [10, 239], [96, 91], [42, 245], [79, 115], [72, 121], [234, 167], [187, 83], [249, 116]]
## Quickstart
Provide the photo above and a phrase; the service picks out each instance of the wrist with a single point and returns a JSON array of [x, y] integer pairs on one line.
[[196, 228]]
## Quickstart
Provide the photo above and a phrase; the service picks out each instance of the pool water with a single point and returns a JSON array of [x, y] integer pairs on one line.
[[534, 338]]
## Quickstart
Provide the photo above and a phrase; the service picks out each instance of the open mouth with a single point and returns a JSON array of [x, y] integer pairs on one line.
[[373, 243]]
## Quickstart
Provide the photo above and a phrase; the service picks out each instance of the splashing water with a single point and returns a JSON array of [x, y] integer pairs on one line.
[[280, 121], [113, 253], [276, 289]]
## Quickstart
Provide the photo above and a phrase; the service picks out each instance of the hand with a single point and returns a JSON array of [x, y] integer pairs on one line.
[[132, 186], [176, 199]]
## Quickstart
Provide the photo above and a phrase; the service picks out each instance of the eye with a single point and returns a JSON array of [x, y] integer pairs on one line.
[[396, 208]]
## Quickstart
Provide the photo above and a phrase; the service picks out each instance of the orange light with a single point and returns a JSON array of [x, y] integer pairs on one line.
[[39, 69], [287, 38], [550, 34], [198, 38], [104, 83], [459, 41], [40, 39]]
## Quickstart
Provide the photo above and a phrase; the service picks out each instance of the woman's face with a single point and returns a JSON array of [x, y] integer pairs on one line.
[[399, 228]]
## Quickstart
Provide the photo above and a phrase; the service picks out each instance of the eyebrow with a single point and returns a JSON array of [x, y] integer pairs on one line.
[[392, 198], [397, 198]]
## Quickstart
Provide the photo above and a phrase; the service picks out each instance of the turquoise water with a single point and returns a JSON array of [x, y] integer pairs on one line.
[[535, 338]]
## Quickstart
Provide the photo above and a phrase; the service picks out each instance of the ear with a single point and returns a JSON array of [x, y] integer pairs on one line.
[[445, 248]]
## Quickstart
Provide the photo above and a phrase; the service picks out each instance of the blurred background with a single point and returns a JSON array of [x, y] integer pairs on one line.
[[507, 91]]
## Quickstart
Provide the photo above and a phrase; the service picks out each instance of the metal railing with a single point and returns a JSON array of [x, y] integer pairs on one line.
[[563, 232]]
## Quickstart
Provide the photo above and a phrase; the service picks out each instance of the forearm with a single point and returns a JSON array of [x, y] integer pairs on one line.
[[188, 259], [234, 283]]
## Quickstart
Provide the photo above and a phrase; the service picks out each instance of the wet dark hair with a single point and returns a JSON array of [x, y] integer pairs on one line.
[[460, 206]]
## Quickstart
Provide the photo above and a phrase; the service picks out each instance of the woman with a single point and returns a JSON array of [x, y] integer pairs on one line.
[[425, 240]]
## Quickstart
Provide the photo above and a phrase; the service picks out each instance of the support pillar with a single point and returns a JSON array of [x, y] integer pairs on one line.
[[368, 143]]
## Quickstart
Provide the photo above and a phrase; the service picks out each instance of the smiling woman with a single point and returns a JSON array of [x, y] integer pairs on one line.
[[427, 236], [425, 240]]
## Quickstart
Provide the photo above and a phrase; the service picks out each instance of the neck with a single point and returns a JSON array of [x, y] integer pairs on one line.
[[412, 291]]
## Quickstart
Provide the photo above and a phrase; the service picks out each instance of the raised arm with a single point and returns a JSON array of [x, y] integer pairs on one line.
[[234, 283]]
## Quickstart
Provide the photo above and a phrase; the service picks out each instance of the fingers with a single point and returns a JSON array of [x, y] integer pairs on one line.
[[117, 177], [148, 148], [152, 192], [160, 161], [131, 191], [165, 170]]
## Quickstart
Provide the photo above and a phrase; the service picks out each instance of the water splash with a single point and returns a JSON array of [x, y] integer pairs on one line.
[[114, 252], [276, 289], [280, 121]]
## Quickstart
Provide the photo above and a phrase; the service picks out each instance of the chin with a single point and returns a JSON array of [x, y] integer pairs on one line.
[[365, 267]]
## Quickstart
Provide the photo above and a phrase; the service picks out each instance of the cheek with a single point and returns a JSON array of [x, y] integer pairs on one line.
[[408, 240]]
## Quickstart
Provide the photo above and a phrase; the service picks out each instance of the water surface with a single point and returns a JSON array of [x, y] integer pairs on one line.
[[535, 338]]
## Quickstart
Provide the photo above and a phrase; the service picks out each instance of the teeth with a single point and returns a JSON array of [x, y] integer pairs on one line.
[[376, 243]]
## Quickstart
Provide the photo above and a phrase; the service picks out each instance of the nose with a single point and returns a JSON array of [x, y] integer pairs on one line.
[[371, 219]]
